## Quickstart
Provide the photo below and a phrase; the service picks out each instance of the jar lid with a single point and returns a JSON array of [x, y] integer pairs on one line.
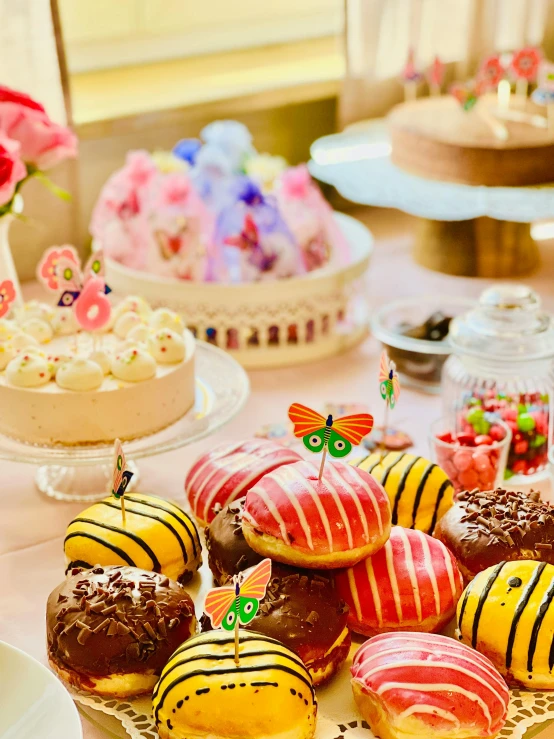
[[507, 324]]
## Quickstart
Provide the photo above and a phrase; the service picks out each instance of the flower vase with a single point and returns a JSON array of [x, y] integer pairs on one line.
[[7, 266]]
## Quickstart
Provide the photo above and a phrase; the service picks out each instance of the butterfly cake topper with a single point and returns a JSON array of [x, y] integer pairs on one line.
[[321, 434], [389, 384], [121, 476], [236, 605]]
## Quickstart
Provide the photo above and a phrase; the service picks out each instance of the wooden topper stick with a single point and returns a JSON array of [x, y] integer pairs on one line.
[[385, 425]]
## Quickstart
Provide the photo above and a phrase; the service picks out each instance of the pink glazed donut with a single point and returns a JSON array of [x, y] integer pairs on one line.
[[427, 685], [229, 471], [291, 516], [412, 584]]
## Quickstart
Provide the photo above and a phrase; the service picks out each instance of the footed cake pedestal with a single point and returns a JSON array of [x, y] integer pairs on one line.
[[477, 247], [464, 230], [84, 472]]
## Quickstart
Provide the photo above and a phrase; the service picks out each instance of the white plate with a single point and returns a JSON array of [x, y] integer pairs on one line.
[[33, 702]]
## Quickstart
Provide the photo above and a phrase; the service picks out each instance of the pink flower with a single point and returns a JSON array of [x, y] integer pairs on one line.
[[7, 296], [7, 95], [139, 168], [43, 143], [12, 169], [296, 182], [175, 190], [490, 73], [525, 64], [46, 270]]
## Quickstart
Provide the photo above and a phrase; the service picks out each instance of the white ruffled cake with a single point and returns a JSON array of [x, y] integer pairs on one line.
[[61, 385]]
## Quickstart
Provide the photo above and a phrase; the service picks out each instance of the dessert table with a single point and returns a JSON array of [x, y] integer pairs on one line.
[[32, 526]]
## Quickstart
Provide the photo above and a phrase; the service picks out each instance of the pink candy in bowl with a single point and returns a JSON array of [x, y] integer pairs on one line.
[[471, 460]]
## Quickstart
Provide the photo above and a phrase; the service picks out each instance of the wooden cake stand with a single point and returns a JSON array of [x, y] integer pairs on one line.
[[463, 230]]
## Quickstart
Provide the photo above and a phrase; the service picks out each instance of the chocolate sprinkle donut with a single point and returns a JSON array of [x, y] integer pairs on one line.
[[116, 620], [485, 528]]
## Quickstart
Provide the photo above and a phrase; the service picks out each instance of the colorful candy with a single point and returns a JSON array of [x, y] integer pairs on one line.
[[527, 416], [471, 460]]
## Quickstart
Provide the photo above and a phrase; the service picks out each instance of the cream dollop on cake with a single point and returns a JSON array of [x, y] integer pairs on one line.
[[165, 318], [64, 322], [125, 323], [38, 328], [21, 340], [7, 329], [79, 388], [133, 365], [135, 304], [102, 359], [7, 353], [139, 334], [34, 309], [166, 346], [28, 370], [80, 374]]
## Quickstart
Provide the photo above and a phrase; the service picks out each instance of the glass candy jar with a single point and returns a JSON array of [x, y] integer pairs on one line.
[[502, 366]]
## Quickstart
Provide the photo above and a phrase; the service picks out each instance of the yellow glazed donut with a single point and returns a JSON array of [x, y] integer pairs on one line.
[[419, 491], [157, 536], [203, 694], [506, 613]]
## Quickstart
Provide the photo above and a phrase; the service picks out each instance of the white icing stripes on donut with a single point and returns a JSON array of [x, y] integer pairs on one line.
[[411, 569], [436, 653], [417, 641], [346, 502], [409, 556], [393, 581], [433, 710], [397, 666], [438, 688]]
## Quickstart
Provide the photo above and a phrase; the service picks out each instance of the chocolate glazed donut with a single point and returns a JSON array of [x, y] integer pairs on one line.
[[111, 630], [485, 528], [301, 607]]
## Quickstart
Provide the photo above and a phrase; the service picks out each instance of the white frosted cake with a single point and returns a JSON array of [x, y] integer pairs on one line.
[[61, 385]]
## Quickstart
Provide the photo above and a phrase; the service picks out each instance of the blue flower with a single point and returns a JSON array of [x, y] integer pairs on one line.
[[187, 149]]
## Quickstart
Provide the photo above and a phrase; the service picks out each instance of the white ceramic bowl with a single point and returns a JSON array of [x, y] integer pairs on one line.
[[33, 702]]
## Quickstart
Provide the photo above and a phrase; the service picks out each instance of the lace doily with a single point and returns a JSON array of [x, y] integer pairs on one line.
[[338, 717], [337, 714], [357, 163]]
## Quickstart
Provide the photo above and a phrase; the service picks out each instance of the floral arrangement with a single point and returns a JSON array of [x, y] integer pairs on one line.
[[214, 209], [30, 144]]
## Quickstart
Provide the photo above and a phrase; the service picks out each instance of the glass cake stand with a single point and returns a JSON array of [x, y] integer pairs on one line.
[[83, 472]]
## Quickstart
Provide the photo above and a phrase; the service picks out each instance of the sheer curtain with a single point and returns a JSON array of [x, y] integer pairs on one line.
[[29, 62], [380, 32]]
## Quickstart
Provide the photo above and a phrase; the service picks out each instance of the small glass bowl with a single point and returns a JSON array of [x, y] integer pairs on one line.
[[419, 361], [470, 467]]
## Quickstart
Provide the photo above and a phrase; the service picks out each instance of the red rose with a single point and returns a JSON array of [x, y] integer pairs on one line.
[[12, 169], [8, 95]]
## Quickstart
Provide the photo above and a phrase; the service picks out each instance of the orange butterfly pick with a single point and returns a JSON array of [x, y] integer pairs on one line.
[[238, 604], [319, 433]]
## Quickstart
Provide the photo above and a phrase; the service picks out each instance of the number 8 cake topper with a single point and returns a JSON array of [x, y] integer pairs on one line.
[[237, 605], [328, 435]]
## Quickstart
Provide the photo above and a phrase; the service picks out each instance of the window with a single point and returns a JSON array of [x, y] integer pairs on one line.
[[102, 34]]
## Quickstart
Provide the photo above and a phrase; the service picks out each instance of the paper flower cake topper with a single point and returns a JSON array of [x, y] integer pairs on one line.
[[435, 74], [525, 64], [490, 73], [7, 296], [389, 385]]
